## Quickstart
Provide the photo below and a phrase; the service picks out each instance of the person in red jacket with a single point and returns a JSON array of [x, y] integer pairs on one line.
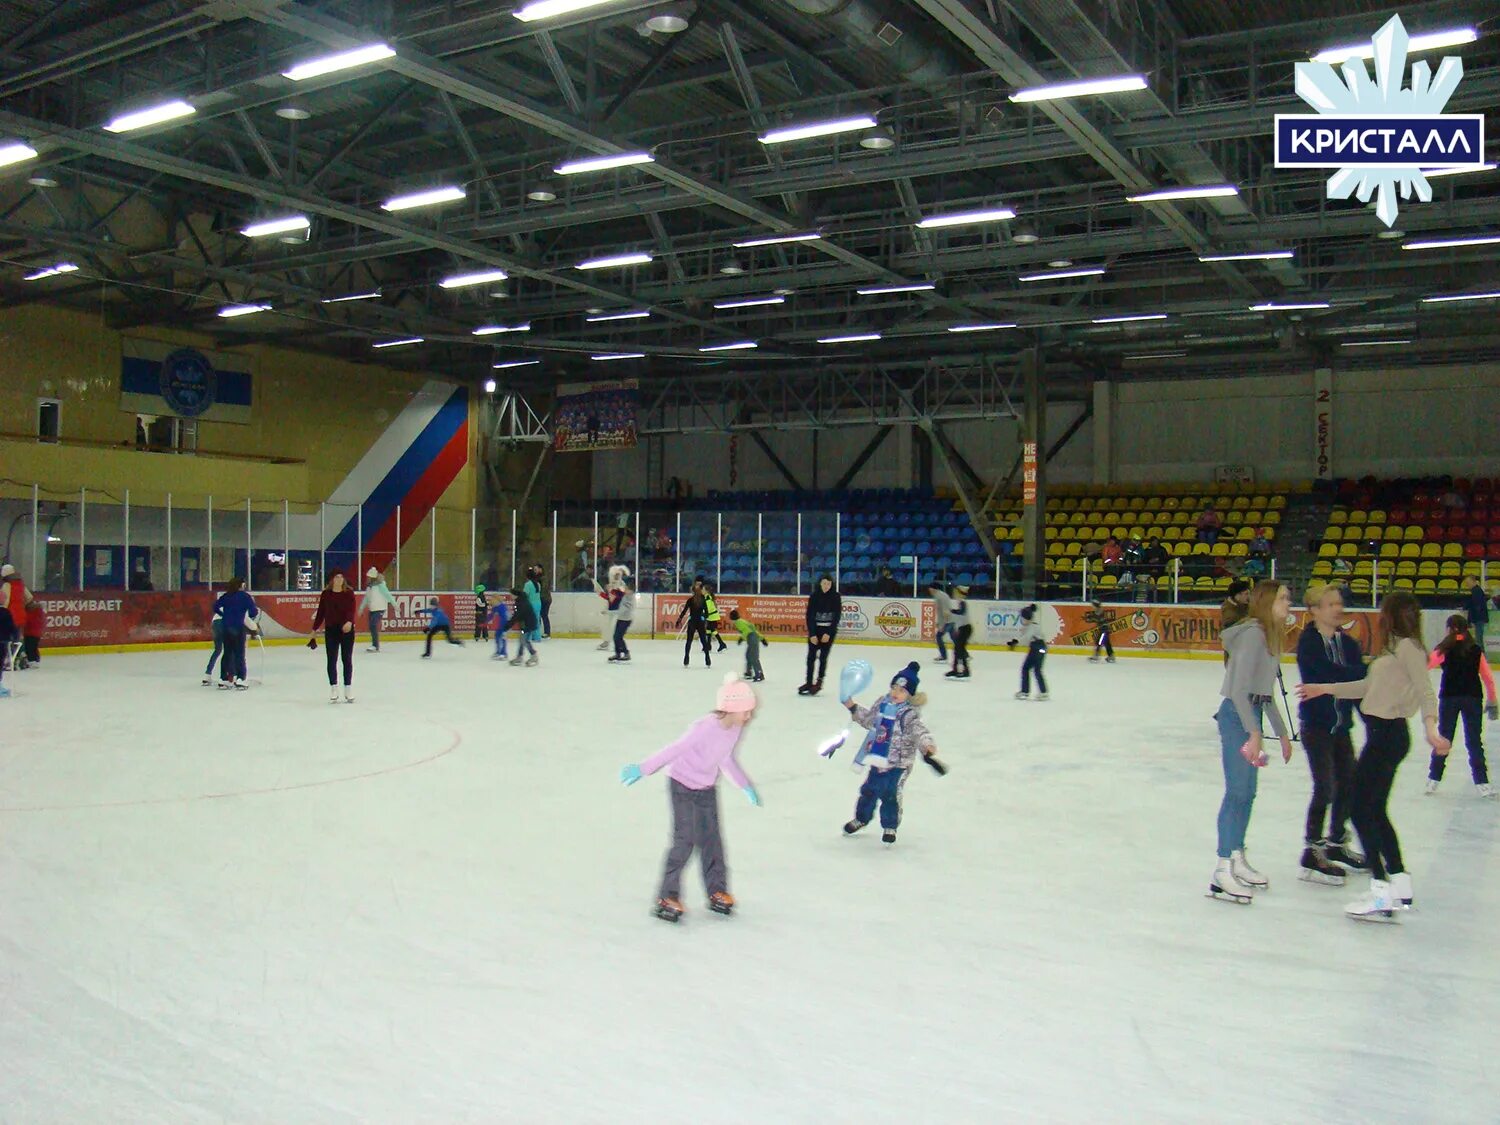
[[336, 614], [13, 598], [31, 634]]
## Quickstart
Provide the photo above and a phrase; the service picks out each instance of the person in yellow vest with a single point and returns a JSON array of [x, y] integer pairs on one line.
[[715, 618]]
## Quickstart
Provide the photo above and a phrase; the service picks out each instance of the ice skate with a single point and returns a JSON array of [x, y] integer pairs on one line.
[[940, 660], [817, 687], [805, 689], [208, 681], [853, 826], [1223, 885], [1485, 791], [497, 656], [1245, 874], [1317, 869], [602, 646], [241, 685], [1094, 659], [1023, 695], [372, 650], [1109, 660], [1042, 697], [721, 902], [952, 675], [614, 659], [1401, 895], [4, 692], [1375, 907], [333, 694], [1430, 789], [532, 660], [516, 662], [225, 685], [348, 694], [668, 909], [888, 837], [1338, 853]]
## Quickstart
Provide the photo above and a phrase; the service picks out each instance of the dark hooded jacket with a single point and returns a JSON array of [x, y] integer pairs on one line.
[[824, 609]]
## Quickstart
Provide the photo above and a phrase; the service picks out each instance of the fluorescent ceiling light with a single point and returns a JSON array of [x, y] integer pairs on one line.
[[737, 346], [479, 277], [1129, 319], [1272, 306], [1248, 256], [966, 218], [1372, 343], [601, 318], [817, 129], [423, 199], [978, 327], [878, 290], [1158, 355], [344, 60], [1205, 191], [1124, 82], [1431, 41], [372, 296], [511, 364], [749, 302], [398, 343], [1460, 297], [603, 163], [276, 226], [778, 240], [1059, 275], [608, 356], [490, 386], [856, 338], [14, 152], [1434, 173], [501, 329], [1445, 243], [637, 259], [242, 310], [50, 271], [546, 9], [154, 115]]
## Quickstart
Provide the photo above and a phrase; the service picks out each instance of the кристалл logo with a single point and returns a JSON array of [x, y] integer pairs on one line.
[[1380, 135]]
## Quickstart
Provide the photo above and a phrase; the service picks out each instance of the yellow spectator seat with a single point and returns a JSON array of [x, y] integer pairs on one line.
[[1348, 551], [1450, 570], [1328, 551], [1432, 550], [1333, 535], [1411, 550], [1375, 516], [1414, 533], [1338, 515], [1453, 550], [1426, 586], [1358, 515], [1406, 570], [1427, 570], [1390, 551], [1447, 586]]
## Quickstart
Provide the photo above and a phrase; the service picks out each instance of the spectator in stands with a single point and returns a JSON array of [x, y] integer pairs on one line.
[[1260, 546], [888, 586], [1156, 558], [1110, 556], [1236, 605], [1453, 501], [1209, 523], [1479, 611], [1255, 568], [1133, 554], [583, 576]]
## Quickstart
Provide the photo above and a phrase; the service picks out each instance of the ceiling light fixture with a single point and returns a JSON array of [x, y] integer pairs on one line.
[[512, 364], [737, 346], [881, 290], [1305, 306], [816, 129], [399, 343], [608, 356], [966, 218], [1121, 84], [479, 277], [732, 268], [490, 386], [669, 20], [51, 271], [639, 258], [373, 295], [602, 318], [1129, 319], [1434, 173], [501, 329], [543, 192], [979, 327], [13, 152], [1025, 236], [1431, 41], [854, 338], [152, 115], [1446, 243], [1372, 343], [603, 163], [428, 198], [276, 226], [546, 9], [292, 113], [41, 181], [878, 139], [1062, 275], [1204, 191], [1460, 297], [344, 60], [1248, 256], [229, 311], [778, 240], [749, 302]]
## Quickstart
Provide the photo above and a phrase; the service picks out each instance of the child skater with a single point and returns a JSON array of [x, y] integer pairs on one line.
[[693, 763], [622, 606], [481, 614], [1098, 616], [942, 603], [750, 637], [437, 623], [236, 609], [1036, 654], [961, 631], [525, 621], [500, 624], [897, 735], [217, 627], [1464, 670], [714, 618]]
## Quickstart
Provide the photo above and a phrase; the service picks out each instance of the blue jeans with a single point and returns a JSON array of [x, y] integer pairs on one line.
[[885, 787], [218, 629], [945, 631], [1240, 778]]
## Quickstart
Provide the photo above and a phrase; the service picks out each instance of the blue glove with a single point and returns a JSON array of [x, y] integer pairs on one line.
[[629, 775], [855, 677], [751, 795]]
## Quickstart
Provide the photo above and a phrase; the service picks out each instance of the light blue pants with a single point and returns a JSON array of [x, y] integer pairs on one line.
[[1240, 778]]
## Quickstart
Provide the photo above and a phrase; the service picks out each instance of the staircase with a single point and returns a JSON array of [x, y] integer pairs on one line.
[[1303, 522]]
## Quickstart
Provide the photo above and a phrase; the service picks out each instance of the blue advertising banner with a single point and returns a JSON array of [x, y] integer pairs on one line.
[[1321, 140], [168, 379]]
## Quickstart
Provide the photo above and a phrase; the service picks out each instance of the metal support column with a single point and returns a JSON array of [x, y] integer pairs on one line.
[[208, 572], [594, 557], [170, 568], [359, 541], [554, 550], [323, 546], [760, 538], [126, 534], [398, 546], [432, 554], [83, 519], [718, 550], [249, 548], [473, 547], [838, 555], [799, 554], [36, 515], [286, 546], [1034, 429], [513, 548], [636, 573], [677, 578]]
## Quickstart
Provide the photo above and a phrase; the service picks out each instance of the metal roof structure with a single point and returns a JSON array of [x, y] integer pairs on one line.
[[475, 98]]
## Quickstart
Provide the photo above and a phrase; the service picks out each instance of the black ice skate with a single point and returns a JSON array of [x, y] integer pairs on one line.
[[805, 689], [1338, 853], [816, 687], [668, 909], [853, 826], [1317, 869], [888, 837]]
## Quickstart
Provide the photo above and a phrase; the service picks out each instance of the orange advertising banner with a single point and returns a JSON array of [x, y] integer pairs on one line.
[[1172, 628]]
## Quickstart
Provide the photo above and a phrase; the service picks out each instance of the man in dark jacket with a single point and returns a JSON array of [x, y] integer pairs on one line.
[[1479, 611], [824, 608]]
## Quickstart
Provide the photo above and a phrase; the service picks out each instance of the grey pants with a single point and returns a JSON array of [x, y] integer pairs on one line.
[[376, 616], [695, 824], [752, 656]]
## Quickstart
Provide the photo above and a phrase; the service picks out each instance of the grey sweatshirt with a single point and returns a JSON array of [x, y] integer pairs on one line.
[[944, 606], [626, 608], [1250, 669]]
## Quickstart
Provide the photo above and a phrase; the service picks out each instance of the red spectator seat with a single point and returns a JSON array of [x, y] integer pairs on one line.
[[1435, 532], [1474, 551]]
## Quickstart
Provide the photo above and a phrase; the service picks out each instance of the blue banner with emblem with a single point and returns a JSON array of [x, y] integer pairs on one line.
[[169, 379]]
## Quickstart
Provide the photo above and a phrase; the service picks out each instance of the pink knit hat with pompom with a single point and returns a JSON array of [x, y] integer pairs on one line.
[[735, 695]]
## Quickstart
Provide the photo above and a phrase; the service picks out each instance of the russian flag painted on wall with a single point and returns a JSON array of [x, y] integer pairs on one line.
[[409, 467]]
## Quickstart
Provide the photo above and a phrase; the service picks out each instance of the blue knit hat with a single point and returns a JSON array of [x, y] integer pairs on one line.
[[908, 677]]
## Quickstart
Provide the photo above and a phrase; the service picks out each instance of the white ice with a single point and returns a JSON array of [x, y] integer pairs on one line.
[[433, 906]]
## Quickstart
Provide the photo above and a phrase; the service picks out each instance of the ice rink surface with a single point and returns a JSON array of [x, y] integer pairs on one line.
[[433, 906]]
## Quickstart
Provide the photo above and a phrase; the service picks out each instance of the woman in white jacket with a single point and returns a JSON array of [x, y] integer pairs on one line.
[[376, 601]]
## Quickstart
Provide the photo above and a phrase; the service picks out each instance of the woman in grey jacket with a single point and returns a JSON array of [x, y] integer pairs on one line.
[[1253, 648]]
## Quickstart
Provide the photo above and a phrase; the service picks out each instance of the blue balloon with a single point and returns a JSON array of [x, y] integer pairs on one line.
[[855, 677]]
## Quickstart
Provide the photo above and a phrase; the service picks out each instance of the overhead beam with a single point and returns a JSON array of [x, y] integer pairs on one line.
[[863, 458], [786, 473]]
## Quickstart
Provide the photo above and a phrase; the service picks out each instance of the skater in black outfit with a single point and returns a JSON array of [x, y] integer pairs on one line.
[[1466, 673], [695, 609], [958, 614], [481, 614], [1099, 617], [1036, 654], [824, 608], [335, 616]]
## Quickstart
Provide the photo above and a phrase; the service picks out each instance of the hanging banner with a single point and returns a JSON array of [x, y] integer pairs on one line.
[[167, 379], [1028, 471], [595, 416], [1323, 423]]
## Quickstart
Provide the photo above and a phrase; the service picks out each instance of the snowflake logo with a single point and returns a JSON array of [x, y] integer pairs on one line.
[[1355, 95]]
